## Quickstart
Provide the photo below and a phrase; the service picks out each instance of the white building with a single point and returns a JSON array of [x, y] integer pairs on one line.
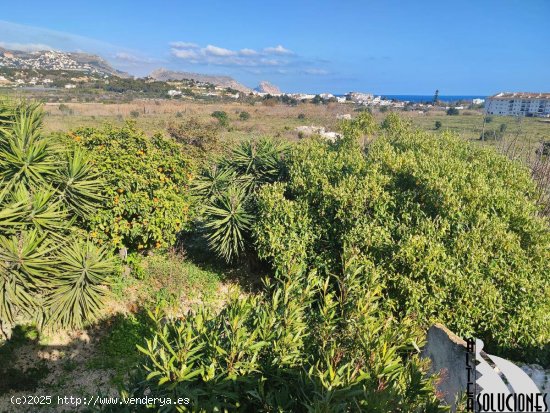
[[361, 98], [519, 104], [478, 101]]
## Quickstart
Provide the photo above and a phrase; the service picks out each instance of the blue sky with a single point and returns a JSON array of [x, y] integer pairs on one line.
[[386, 47]]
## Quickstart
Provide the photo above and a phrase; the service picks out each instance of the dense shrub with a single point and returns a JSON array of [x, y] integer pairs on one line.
[[310, 343], [222, 117], [48, 269], [453, 112], [452, 229], [147, 198], [195, 133], [244, 115]]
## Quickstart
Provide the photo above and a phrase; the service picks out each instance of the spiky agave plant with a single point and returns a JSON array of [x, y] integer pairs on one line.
[[44, 269]]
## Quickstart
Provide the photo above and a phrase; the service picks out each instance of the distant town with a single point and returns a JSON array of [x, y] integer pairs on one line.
[[54, 70]]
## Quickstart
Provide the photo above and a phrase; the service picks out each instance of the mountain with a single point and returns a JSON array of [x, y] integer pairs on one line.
[[266, 87], [222, 81], [54, 60]]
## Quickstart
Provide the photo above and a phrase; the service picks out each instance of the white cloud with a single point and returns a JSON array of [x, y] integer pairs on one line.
[[185, 54], [279, 49], [248, 52], [220, 56], [274, 60], [184, 45], [218, 51]]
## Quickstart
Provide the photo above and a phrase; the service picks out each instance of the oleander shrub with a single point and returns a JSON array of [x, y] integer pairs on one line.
[[147, 196], [308, 343], [49, 269], [453, 230]]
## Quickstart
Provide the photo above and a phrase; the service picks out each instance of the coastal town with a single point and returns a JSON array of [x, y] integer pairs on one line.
[[55, 70], [78, 71]]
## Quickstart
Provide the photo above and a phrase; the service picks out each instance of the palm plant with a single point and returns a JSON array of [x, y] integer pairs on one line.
[[228, 222], [78, 183], [78, 290], [228, 191], [45, 271]]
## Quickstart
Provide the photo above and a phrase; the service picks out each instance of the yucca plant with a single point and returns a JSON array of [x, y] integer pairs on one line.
[[78, 291], [79, 185], [229, 222], [46, 272], [228, 191]]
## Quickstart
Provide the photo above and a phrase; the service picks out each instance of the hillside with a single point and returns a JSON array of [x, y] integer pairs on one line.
[[55, 60], [222, 81]]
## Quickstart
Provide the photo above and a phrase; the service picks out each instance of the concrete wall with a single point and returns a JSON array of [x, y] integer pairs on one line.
[[448, 355]]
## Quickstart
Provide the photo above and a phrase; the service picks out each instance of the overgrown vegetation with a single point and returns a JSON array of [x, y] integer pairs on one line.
[[364, 242], [146, 196], [311, 343], [453, 230], [222, 117], [194, 133], [228, 189], [49, 270]]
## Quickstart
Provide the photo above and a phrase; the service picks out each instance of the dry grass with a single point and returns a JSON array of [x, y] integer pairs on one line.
[[278, 120], [155, 115]]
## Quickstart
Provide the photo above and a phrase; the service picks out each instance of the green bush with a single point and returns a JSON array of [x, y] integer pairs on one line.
[[195, 133], [453, 230], [222, 117], [65, 109], [244, 115], [438, 124], [147, 198], [310, 343], [49, 271], [453, 112]]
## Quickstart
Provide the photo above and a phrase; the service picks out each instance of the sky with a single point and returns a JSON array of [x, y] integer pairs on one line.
[[467, 47]]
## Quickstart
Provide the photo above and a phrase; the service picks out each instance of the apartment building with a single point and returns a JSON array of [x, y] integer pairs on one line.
[[518, 104]]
